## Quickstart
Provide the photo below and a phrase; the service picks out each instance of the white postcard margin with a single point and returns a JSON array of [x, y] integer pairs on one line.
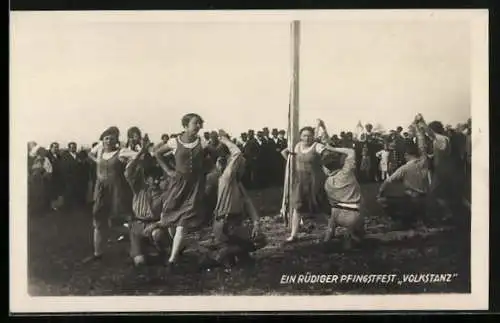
[[21, 301]]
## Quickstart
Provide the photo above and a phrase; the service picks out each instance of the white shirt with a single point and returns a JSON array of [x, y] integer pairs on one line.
[[173, 142], [383, 155], [318, 147], [125, 153], [341, 185]]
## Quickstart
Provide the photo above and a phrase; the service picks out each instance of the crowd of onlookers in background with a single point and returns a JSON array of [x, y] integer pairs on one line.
[[64, 177]]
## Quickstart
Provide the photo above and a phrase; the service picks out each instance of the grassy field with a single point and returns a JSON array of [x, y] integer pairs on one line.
[[58, 243]]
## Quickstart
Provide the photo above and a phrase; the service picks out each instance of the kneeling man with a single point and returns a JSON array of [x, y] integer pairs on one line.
[[145, 179]]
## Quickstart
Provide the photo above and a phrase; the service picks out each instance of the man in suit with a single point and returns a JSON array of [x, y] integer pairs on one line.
[[215, 148], [263, 160], [265, 133], [56, 181], [373, 146], [276, 160], [282, 142], [251, 153], [243, 141], [74, 184]]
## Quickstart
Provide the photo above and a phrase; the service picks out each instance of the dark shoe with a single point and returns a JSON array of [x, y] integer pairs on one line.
[[92, 258]]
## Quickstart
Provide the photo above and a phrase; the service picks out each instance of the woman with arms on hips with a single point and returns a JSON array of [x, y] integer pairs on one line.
[[111, 193], [184, 208]]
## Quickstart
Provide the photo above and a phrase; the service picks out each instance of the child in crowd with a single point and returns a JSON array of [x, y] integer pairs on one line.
[[383, 156]]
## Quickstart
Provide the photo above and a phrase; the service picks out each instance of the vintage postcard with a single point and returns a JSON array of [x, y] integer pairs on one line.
[[249, 161]]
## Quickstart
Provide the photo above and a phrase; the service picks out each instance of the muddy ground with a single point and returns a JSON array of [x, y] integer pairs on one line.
[[59, 241]]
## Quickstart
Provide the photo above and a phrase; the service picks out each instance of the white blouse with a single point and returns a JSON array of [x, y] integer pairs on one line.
[[173, 142], [318, 147], [125, 153]]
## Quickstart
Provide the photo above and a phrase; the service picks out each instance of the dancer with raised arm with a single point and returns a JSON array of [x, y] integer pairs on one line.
[[233, 240], [446, 183], [409, 208], [343, 192], [111, 198], [145, 181]]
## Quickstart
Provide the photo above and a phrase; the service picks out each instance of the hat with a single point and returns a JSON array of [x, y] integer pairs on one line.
[[274, 131], [281, 132], [111, 131]]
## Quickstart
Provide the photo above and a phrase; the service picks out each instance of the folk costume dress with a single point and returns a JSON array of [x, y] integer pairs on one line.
[[308, 195], [185, 192], [112, 196]]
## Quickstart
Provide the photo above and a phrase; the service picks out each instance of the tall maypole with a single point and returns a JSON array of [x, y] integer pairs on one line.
[[293, 119]]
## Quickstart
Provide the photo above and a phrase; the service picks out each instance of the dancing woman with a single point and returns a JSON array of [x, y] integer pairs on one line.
[[184, 208], [111, 198], [308, 195]]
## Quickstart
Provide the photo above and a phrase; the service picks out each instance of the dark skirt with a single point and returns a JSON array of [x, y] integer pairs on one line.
[[308, 195], [185, 202], [112, 200], [447, 183]]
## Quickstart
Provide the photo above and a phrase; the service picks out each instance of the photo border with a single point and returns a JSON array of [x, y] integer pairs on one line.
[[20, 301]]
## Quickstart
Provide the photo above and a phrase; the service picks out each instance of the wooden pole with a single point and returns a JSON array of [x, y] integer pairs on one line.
[[294, 113], [293, 120]]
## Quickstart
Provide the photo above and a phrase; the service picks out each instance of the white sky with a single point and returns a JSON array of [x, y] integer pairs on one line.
[[72, 77]]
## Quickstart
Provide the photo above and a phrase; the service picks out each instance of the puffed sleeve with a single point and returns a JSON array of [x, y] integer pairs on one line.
[[172, 144], [319, 147]]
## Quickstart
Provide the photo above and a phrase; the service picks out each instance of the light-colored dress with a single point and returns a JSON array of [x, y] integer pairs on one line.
[[383, 155]]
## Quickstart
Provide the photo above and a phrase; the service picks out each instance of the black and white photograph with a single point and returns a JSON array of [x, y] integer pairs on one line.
[[250, 161]]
